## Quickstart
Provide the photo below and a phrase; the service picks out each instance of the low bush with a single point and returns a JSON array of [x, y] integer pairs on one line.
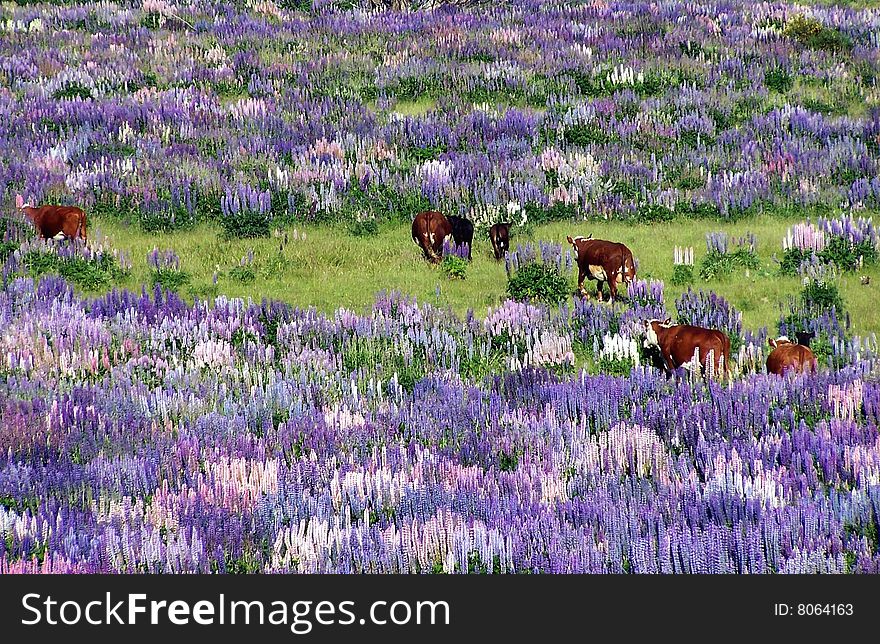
[[538, 283]]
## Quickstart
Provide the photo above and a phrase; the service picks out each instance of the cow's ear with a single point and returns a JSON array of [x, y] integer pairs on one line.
[[668, 321], [773, 343], [590, 236], [570, 240]]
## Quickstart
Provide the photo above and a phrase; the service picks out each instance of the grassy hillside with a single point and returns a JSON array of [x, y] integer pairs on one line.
[[331, 268]]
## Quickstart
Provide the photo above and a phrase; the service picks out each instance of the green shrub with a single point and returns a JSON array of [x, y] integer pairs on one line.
[[243, 274], [72, 90], [846, 255], [778, 80], [170, 279], [716, 265], [89, 274], [821, 294], [365, 227], [812, 33], [246, 224], [792, 260], [682, 275], [745, 258], [584, 134], [538, 283], [615, 366], [654, 212], [454, 267]]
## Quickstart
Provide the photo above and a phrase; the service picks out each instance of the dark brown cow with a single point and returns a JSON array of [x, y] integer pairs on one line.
[[678, 343], [56, 222], [429, 229], [499, 235], [603, 261], [788, 356]]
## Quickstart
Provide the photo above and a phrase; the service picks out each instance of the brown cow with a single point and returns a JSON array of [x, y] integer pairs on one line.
[[788, 356], [678, 344], [603, 261], [56, 222], [499, 235], [429, 229]]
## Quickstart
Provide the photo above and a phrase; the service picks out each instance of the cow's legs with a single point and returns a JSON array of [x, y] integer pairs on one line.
[[612, 287], [581, 276], [599, 289]]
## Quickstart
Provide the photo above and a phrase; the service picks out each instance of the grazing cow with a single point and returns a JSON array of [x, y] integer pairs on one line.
[[603, 261], [429, 229], [55, 222], [678, 344], [788, 356], [499, 235], [462, 231]]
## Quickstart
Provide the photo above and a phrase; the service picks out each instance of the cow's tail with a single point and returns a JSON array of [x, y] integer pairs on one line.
[[429, 246], [81, 229], [727, 372]]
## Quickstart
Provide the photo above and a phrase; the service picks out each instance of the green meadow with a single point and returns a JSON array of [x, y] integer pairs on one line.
[[330, 268]]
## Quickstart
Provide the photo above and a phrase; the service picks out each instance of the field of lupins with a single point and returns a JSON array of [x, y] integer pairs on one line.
[[140, 432]]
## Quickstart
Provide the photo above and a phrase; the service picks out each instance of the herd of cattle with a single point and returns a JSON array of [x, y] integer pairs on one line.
[[674, 345]]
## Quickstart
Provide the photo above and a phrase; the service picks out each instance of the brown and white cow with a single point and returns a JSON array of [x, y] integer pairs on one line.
[[603, 261], [680, 342], [499, 236], [55, 222], [788, 356], [429, 229]]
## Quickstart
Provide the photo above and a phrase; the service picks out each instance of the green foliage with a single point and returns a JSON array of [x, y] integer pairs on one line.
[[538, 283], [615, 366], [654, 212], [746, 258], [682, 275], [243, 274], [246, 224], [778, 80], [821, 294], [454, 267], [364, 227], [427, 153], [716, 265], [559, 211], [810, 32], [508, 461], [71, 91], [792, 260], [169, 278], [584, 134], [159, 220], [846, 255], [89, 274], [6, 249]]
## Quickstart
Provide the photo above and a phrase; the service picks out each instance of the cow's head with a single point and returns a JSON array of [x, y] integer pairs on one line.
[[574, 240], [804, 337], [652, 327], [782, 339]]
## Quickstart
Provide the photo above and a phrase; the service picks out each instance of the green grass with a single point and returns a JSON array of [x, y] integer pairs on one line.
[[419, 107], [332, 268]]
